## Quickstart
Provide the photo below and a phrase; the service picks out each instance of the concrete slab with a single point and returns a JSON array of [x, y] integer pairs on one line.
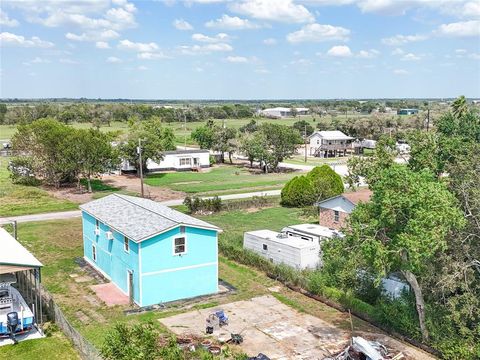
[[268, 326], [110, 294]]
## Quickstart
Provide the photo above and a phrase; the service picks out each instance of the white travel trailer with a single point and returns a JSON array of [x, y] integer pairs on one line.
[[280, 248]]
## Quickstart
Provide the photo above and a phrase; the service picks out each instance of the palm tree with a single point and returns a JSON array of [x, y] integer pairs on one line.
[[460, 107]]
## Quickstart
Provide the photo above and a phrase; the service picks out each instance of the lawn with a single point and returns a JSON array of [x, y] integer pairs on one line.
[[314, 161], [58, 243], [220, 180], [20, 200], [55, 346]]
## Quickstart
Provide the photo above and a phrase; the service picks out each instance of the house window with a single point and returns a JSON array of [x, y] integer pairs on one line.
[[182, 229], [180, 246], [185, 161], [318, 142], [126, 244], [265, 247], [97, 224], [94, 253], [336, 216]]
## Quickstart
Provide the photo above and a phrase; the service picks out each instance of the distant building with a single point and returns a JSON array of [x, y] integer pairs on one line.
[[280, 112], [330, 143], [177, 160], [333, 212], [152, 253], [407, 111]]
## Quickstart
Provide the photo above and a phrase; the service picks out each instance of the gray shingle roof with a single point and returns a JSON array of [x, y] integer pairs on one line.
[[137, 218]]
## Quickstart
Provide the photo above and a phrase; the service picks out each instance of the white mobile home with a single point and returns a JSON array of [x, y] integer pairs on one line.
[[280, 112], [177, 160], [280, 248]]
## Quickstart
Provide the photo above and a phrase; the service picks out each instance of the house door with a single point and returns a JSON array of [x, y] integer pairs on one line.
[[130, 286], [196, 161]]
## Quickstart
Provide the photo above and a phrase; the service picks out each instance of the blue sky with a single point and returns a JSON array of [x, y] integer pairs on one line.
[[248, 49]]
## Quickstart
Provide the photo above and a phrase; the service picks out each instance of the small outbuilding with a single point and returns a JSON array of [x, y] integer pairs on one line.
[[281, 248], [152, 253]]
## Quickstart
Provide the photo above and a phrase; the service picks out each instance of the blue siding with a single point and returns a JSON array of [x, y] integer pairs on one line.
[[112, 259], [177, 277], [159, 275]]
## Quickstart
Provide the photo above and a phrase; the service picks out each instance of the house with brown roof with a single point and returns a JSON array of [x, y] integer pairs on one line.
[[333, 212]]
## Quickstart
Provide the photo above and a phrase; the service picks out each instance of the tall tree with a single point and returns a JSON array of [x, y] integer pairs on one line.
[[404, 227], [154, 139]]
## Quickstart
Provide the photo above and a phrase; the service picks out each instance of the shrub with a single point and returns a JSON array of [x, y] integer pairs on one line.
[[298, 192], [21, 171], [326, 182], [196, 204], [131, 342]]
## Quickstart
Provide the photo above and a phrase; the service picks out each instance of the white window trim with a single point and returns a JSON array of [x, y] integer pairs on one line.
[[173, 245], [128, 244], [94, 253], [185, 158]]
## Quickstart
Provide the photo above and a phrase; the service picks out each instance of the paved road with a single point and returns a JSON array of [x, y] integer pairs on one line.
[[77, 213]]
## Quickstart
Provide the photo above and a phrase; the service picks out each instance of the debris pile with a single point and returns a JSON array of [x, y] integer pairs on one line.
[[362, 349]]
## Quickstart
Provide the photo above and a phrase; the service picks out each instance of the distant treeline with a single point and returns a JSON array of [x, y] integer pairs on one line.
[[106, 112]]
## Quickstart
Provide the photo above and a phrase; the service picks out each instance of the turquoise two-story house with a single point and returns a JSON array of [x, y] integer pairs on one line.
[[152, 253]]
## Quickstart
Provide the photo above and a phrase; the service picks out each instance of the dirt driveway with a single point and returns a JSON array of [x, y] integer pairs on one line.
[[278, 331]]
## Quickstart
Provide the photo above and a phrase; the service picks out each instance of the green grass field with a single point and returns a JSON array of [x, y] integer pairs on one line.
[[20, 200], [55, 346], [219, 180]]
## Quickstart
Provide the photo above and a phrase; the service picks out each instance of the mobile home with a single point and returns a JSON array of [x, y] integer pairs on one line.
[[280, 248]]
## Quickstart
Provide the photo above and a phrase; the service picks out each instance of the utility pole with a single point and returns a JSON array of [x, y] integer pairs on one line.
[[305, 141], [139, 150], [428, 118], [185, 130]]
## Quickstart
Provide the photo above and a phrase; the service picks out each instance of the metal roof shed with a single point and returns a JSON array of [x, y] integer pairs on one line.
[[18, 265]]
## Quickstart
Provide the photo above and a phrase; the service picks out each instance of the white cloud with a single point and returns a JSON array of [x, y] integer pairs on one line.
[[460, 51], [273, 10], [231, 23], [84, 14], [9, 39], [102, 45], [410, 57], [398, 40], [400, 72], [181, 24], [318, 32], [340, 51], [474, 56], [93, 36], [205, 49], [69, 61], [140, 47], [397, 51], [142, 68], [301, 62], [368, 54], [237, 59], [220, 37], [152, 55], [262, 71], [6, 21], [460, 29], [270, 41], [113, 60], [37, 60]]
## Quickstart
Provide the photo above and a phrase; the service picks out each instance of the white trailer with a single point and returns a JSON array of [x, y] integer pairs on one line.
[[280, 248]]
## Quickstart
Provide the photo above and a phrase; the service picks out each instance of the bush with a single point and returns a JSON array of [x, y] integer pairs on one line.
[[326, 182], [197, 204], [21, 171], [131, 342], [298, 192]]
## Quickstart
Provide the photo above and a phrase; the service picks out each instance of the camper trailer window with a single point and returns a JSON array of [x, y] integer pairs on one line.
[[265, 247]]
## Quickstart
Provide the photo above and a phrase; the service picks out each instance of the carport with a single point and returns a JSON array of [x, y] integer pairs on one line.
[[19, 267]]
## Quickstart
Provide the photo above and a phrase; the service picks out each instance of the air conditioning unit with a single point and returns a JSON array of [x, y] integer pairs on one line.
[[109, 235], [96, 231]]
